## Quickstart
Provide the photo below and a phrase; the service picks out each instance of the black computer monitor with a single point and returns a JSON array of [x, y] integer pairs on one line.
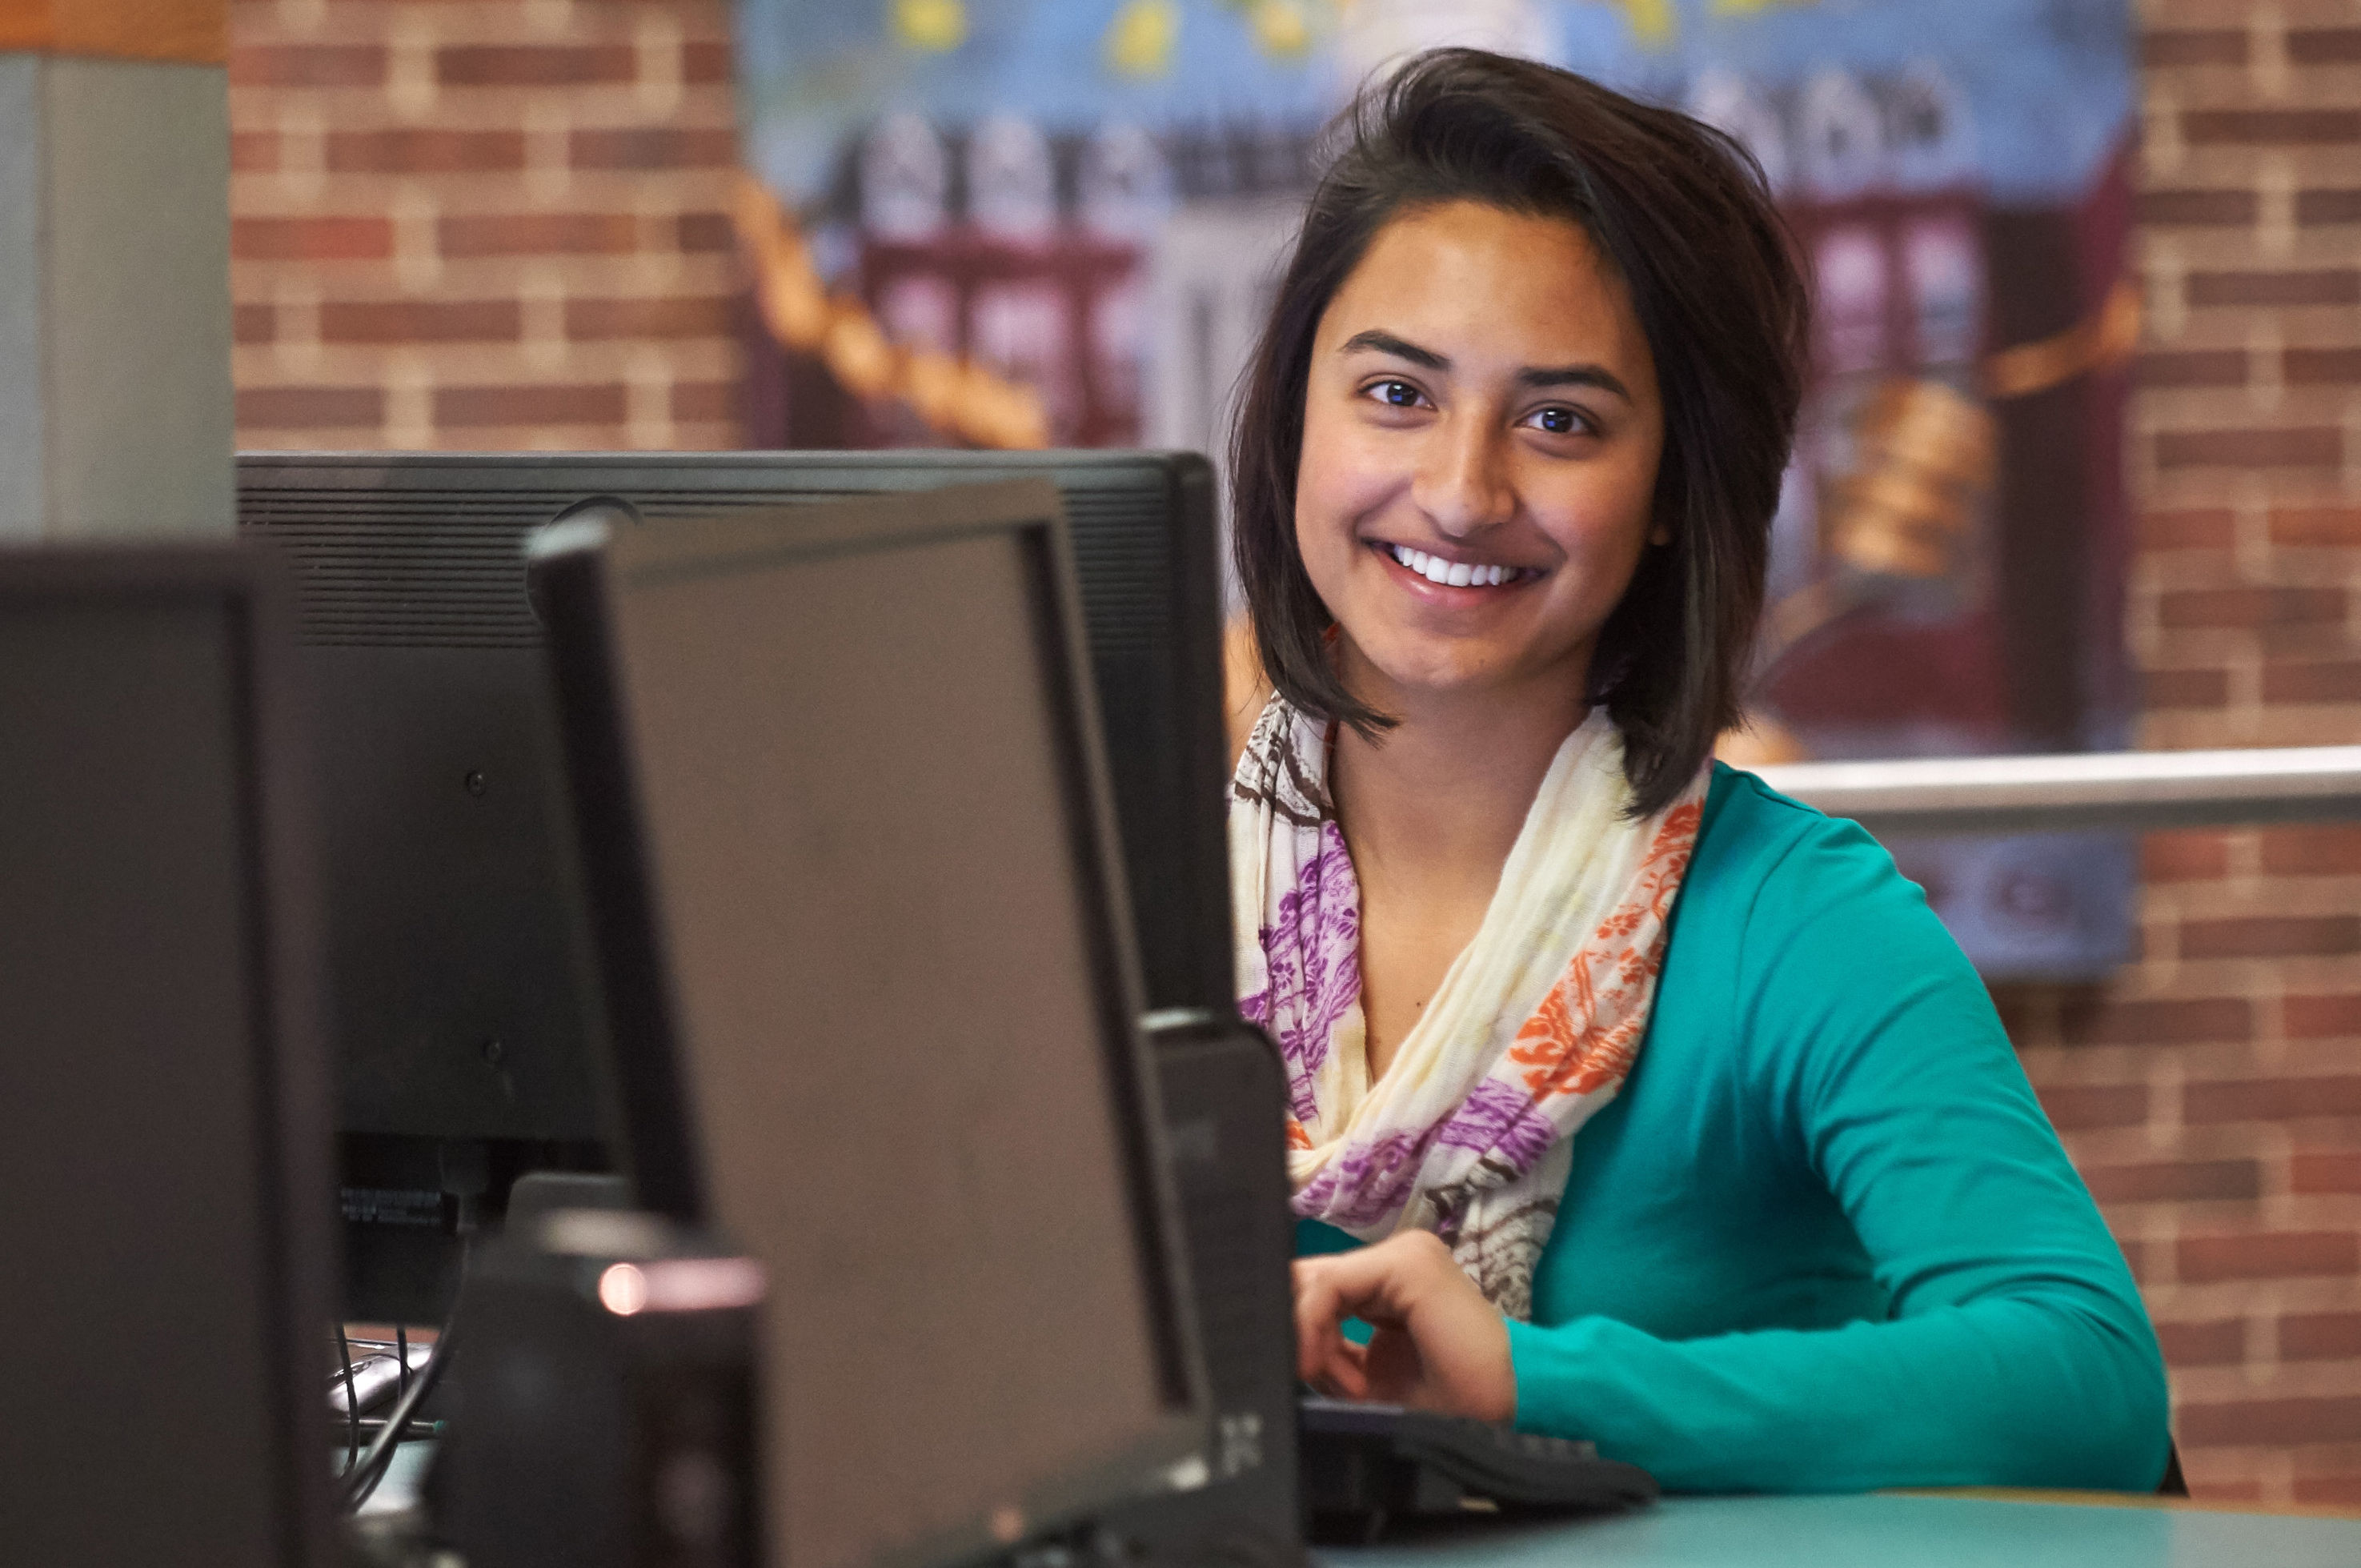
[[876, 1015], [162, 1084], [463, 1042]]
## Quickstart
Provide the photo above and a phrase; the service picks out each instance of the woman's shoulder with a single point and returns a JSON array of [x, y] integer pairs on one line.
[[1752, 838], [1824, 945], [1774, 879]]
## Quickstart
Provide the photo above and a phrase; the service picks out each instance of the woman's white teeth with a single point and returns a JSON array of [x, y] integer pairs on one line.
[[1451, 574]]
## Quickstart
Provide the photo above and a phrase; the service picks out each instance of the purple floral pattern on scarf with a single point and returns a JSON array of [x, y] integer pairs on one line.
[[1367, 1181], [1313, 955], [1502, 1121]]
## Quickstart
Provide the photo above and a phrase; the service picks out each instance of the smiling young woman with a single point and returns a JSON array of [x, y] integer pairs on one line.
[[1630, 1100]]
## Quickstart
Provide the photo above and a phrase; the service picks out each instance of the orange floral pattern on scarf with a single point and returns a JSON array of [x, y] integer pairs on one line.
[[1587, 1029]]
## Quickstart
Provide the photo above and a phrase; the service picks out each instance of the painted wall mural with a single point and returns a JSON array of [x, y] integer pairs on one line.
[[1082, 201]]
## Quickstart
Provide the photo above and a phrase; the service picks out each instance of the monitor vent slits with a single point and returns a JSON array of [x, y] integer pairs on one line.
[[1232, 1289], [384, 567], [1125, 565], [392, 568]]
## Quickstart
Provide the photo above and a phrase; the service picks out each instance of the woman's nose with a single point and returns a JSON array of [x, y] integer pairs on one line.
[[1462, 482]]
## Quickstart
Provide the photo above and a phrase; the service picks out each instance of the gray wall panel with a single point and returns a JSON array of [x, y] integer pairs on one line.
[[141, 425], [22, 379]]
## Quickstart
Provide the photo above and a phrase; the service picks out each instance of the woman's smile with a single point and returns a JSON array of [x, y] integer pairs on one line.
[[1447, 569]]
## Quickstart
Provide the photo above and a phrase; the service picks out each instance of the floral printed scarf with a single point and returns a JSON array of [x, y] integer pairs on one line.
[[1532, 1031]]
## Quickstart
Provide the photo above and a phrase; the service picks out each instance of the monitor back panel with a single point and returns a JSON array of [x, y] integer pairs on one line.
[[458, 1011], [161, 1134], [869, 828], [458, 1002]]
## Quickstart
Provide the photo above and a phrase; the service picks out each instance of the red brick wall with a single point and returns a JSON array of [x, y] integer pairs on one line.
[[2212, 1093], [485, 224]]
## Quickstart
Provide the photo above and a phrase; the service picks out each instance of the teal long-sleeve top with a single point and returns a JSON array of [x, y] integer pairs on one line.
[[1825, 1239]]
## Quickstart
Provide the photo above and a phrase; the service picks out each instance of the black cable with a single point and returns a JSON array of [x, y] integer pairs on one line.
[[402, 1357], [352, 1403], [361, 1478]]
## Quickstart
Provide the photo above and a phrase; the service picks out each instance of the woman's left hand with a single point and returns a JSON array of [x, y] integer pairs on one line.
[[1439, 1344]]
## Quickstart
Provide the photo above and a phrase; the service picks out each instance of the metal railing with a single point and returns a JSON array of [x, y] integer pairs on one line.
[[2099, 789]]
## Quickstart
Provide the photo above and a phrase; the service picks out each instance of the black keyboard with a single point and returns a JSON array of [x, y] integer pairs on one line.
[[1364, 1465]]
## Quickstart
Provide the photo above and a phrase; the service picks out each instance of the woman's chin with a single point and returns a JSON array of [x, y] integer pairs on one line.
[[1406, 669], [1430, 680]]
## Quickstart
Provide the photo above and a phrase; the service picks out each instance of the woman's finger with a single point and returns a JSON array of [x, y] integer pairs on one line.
[[1345, 1375], [1318, 1320], [1341, 1372]]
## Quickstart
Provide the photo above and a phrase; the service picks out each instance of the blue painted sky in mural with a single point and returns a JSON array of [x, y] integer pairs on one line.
[[2049, 84]]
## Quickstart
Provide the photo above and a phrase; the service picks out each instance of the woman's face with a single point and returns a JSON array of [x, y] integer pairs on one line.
[[1480, 437]]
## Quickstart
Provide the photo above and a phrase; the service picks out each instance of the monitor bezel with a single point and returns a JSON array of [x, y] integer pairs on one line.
[[282, 980], [578, 565]]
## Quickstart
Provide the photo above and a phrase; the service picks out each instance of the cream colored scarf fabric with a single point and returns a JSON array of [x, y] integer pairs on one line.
[[1532, 1031]]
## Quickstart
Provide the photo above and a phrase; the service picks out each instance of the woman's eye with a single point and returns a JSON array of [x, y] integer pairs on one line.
[[1559, 421], [1396, 394]]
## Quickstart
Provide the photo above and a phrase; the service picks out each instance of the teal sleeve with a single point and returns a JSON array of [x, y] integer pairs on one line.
[[2016, 1350]]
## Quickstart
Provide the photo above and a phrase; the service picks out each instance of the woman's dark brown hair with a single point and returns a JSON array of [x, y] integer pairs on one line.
[[1681, 213]]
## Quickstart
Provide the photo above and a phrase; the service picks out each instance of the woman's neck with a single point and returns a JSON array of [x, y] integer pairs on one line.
[[1440, 798], [1430, 812]]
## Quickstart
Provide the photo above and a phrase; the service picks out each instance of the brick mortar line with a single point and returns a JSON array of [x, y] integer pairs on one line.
[[474, 366], [688, 435], [373, 281], [358, 112], [2172, 413], [2272, 565], [254, 27], [278, 194]]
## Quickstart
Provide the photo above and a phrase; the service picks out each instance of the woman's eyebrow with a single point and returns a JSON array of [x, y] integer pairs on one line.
[[1597, 375], [1532, 377], [1400, 348]]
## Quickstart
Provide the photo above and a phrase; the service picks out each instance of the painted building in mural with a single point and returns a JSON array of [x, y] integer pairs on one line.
[[1090, 200]]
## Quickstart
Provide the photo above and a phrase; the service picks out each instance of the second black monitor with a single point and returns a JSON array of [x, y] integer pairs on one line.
[[458, 1014]]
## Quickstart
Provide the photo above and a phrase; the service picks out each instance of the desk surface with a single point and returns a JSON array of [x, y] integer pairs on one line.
[[1875, 1531], [1884, 1531]]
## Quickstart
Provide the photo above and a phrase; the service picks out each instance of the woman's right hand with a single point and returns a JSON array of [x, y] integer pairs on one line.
[[1439, 1344]]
